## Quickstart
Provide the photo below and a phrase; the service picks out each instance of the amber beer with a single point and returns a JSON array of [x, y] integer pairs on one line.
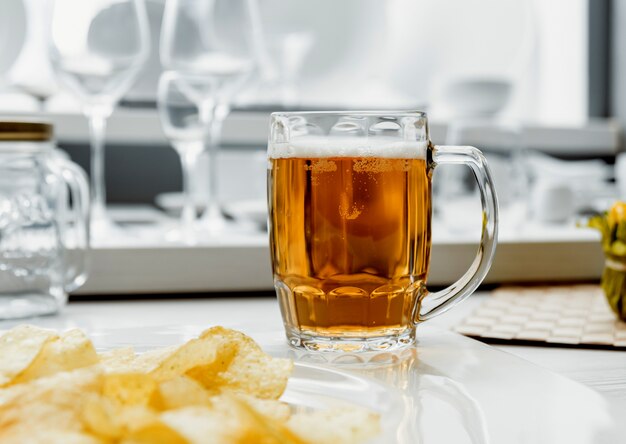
[[350, 239]]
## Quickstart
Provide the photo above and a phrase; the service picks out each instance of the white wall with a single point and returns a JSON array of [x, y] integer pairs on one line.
[[404, 52], [618, 68], [541, 46]]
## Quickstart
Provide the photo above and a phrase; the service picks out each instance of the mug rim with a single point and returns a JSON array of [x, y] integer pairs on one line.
[[356, 113]]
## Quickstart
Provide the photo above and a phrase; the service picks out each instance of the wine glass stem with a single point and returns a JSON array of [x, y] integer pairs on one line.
[[97, 128], [188, 159], [212, 120]]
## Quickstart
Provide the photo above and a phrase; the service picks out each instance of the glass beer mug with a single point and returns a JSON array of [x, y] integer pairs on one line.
[[44, 235], [350, 227]]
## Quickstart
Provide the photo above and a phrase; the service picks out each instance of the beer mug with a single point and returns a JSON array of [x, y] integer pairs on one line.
[[349, 198]]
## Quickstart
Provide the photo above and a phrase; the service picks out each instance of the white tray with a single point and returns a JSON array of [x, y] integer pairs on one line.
[[144, 263]]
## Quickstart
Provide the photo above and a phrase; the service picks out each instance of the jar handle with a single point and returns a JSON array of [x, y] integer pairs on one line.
[[77, 246], [433, 304]]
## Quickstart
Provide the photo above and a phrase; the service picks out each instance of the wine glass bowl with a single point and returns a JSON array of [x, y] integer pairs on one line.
[[181, 123], [97, 49], [208, 37], [177, 106], [212, 40], [95, 60]]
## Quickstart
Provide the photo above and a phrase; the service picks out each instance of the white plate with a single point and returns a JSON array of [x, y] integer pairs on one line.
[[321, 388], [452, 389]]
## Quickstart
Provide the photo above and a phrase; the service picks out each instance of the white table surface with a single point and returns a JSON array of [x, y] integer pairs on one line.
[[602, 371]]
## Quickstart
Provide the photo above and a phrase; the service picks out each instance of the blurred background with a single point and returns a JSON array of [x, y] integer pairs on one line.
[[540, 87]]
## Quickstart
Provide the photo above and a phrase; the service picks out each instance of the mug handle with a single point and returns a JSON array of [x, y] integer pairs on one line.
[[433, 304], [76, 180]]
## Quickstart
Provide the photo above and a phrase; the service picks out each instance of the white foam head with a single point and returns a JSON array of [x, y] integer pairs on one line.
[[313, 147]]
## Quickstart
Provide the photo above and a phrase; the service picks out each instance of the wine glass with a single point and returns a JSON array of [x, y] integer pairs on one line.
[[181, 124], [212, 40], [96, 49]]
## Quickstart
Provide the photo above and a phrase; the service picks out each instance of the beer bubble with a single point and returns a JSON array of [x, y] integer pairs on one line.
[[317, 167], [321, 166], [347, 209], [377, 165]]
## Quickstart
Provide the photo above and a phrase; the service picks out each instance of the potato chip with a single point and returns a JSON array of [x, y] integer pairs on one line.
[[70, 351], [148, 361], [23, 419], [224, 426], [60, 388], [133, 380], [52, 403], [142, 425], [64, 437], [18, 349], [220, 388], [270, 408], [335, 426], [100, 416], [194, 353], [36, 436], [244, 367], [126, 381], [128, 388], [179, 392], [136, 417], [268, 430], [117, 359], [132, 424], [156, 433]]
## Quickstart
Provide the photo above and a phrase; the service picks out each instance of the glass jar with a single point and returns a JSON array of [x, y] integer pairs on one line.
[[44, 222]]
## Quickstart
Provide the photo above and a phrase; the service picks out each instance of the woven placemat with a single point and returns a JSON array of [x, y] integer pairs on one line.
[[562, 316]]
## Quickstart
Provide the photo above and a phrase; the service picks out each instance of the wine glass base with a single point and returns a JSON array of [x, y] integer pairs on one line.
[[104, 231], [30, 303], [218, 224], [179, 235]]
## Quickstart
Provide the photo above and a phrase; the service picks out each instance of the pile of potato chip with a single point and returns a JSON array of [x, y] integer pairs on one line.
[[218, 388]]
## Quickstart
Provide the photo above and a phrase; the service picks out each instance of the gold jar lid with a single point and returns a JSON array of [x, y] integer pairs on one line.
[[25, 131]]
